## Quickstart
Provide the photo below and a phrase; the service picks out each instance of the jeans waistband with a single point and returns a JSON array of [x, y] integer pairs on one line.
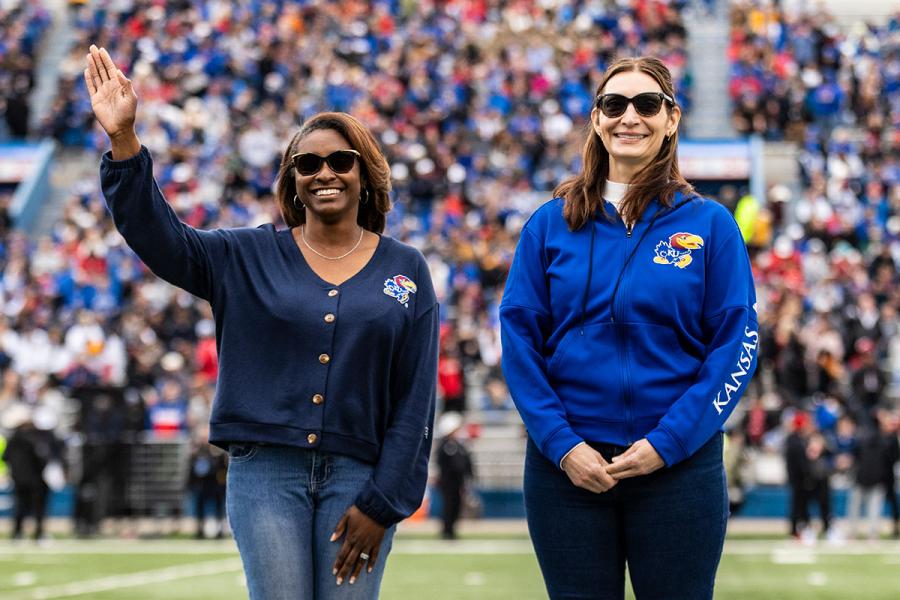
[[607, 451]]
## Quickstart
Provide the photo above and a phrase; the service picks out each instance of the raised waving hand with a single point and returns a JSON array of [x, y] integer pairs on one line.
[[113, 101]]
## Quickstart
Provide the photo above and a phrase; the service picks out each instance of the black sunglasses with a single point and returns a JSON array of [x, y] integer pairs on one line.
[[647, 104], [339, 162]]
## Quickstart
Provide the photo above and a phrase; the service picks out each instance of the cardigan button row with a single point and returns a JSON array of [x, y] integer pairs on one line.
[[318, 399]]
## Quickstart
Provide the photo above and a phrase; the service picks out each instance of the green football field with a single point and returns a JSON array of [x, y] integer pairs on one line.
[[428, 569]]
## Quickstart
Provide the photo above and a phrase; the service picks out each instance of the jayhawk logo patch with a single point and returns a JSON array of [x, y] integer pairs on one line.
[[400, 287], [677, 251]]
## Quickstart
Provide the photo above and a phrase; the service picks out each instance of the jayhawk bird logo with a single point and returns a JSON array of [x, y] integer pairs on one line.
[[677, 251], [400, 287]]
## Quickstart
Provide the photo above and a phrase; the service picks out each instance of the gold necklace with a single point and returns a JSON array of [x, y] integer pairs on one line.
[[352, 250]]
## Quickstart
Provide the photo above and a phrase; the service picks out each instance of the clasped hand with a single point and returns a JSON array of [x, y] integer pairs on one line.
[[588, 469]]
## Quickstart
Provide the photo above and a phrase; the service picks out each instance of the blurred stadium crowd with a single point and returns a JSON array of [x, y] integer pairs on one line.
[[480, 106]]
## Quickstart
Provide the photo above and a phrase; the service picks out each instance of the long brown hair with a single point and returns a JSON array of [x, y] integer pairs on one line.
[[660, 178], [375, 173]]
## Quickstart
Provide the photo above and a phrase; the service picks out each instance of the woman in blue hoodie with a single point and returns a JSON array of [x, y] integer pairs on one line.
[[629, 333]]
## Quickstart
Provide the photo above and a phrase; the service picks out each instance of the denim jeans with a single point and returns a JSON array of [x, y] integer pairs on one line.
[[873, 499], [668, 526], [283, 504]]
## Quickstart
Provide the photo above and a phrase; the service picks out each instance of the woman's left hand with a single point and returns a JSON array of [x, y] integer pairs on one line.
[[362, 538], [640, 459]]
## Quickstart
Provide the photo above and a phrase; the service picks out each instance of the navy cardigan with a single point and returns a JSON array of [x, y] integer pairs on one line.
[[348, 369]]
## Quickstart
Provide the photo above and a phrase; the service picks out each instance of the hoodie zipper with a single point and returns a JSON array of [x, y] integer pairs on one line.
[[623, 345], [620, 327]]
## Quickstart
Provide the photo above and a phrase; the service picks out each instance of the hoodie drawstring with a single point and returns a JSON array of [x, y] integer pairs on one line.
[[587, 286], [612, 303]]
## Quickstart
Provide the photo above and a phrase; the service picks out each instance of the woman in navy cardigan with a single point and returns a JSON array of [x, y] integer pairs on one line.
[[327, 335]]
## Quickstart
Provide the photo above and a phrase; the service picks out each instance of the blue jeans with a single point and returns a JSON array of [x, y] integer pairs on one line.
[[283, 504], [668, 526]]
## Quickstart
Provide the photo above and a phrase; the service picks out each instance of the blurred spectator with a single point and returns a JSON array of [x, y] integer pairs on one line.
[[209, 466], [29, 451], [817, 481], [888, 428], [22, 24], [455, 470], [868, 492], [167, 409], [844, 445], [869, 382], [451, 381], [808, 474]]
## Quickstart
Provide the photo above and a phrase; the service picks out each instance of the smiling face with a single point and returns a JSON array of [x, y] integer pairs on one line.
[[633, 140], [328, 196]]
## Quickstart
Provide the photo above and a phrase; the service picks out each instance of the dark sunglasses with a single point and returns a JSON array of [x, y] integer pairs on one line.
[[339, 162], [647, 104]]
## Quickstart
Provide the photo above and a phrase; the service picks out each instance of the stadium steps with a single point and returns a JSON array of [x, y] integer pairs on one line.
[[498, 455], [51, 53], [710, 115], [75, 171], [850, 12]]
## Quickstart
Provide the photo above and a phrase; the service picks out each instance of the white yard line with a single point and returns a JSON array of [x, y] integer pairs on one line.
[[758, 547], [63, 547], [790, 556], [116, 582], [10, 551]]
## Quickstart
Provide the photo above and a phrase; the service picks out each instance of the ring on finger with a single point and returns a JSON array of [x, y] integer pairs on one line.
[[363, 556]]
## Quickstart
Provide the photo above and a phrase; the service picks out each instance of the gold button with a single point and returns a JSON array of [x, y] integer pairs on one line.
[[318, 399], [311, 438], [332, 293], [324, 358], [329, 318]]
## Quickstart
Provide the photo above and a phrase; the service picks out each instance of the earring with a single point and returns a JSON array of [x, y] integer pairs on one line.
[[364, 200], [297, 204]]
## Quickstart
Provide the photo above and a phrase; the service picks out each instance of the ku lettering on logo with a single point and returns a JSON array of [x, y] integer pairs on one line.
[[400, 287], [677, 251]]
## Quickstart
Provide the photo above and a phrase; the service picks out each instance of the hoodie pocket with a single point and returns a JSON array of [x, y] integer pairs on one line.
[[663, 367], [586, 372]]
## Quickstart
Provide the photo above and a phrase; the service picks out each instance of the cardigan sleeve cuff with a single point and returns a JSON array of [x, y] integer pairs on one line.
[[374, 505], [107, 161]]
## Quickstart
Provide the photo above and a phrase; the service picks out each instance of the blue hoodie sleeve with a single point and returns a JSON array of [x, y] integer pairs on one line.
[[525, 322], [177, 253], [397, 486], [732, 334]]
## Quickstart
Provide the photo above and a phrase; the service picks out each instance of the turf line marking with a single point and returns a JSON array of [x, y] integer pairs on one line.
[[140, 578], [793, 557]]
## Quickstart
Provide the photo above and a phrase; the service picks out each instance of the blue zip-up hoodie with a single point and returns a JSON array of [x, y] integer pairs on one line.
[[612, 336]]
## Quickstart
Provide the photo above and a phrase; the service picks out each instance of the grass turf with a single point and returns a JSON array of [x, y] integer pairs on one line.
[[481, 569]]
